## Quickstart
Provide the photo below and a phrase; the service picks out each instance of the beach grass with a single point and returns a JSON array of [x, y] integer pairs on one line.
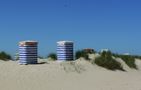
[[106, 61], [5, 56], [128, 59], [53, 56]]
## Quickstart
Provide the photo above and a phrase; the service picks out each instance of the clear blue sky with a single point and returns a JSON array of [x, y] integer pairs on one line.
[[113, 24]]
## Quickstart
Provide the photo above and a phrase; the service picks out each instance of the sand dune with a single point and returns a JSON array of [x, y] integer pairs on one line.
[[77, 75]]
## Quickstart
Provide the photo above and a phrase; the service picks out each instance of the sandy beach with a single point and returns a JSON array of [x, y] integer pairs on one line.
[[77, 75]]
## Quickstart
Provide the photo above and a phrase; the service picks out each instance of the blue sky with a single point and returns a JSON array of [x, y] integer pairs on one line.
[[113, 24]]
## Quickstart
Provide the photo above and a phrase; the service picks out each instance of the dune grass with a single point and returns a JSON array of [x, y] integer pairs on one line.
[[106, 61], [4, 56], [53, 56], [128, 59], [81, 53]]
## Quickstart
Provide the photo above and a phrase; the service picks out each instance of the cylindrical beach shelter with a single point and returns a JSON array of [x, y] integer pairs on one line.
[[28, 53], [65, 50]]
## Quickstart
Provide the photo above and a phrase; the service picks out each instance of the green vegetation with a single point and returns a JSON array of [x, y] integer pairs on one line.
[[4, 56], [89, 51], [53, 56], [40, 57], [106, 61], [136, 56], [16, 57], [84, 53], [81, 53], [128, 59]]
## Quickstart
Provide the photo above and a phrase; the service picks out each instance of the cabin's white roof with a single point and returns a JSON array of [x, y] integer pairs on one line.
[[28, 41], [64, 42]]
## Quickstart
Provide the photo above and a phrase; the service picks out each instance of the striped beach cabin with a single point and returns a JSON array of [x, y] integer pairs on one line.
[[28, 53], [65, 50]]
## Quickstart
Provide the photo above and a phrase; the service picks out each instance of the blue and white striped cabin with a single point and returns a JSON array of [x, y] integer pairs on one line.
[[28, 53], [64, 50]]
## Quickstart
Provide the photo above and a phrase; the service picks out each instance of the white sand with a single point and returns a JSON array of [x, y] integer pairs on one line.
[[78, 75]]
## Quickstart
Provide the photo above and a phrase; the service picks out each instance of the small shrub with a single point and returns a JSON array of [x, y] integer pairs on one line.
[[89, 51], [4, 56], [81, 53], [53, 56], [106, 61], [16, 57], [128, 59], [137, 57], [40, 57]]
